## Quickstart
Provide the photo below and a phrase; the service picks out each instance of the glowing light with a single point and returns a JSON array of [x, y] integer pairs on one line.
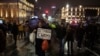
[[6, 14], [53, 7], [34, 16], [50, 19], [47, 11], [36, 0], [80, 6], [67, 20], [1, 14], [67, 5], [44, 15], [12, 13]]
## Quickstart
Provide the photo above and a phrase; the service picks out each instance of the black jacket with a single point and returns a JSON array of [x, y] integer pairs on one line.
[[60, 32]]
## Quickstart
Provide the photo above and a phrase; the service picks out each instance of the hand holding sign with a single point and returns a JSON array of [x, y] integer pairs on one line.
[[44, 33]]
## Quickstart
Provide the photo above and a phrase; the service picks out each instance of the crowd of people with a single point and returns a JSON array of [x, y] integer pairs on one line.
[[64, 32]]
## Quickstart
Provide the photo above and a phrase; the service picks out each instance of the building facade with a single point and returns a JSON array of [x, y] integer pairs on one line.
[[16, 10], [68, 13]]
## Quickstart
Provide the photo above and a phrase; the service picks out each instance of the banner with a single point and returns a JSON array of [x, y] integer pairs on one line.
[[44, 33]]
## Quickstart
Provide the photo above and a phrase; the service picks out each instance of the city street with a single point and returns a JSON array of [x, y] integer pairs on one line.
[[49, 28]]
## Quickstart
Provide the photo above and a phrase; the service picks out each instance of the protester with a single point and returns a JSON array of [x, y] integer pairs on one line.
[[70, 39], [91, 32], [38, 47], [21, 31], [2, 43], [80, 35], [15, 32], [26, 33], [41, 44], [61, 33]]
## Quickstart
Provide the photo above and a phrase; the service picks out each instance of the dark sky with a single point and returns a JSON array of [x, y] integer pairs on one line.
[[46, 4], [4, 1]]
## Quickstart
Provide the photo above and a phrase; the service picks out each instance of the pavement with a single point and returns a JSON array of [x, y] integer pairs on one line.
[[28, 49], [23, 48]]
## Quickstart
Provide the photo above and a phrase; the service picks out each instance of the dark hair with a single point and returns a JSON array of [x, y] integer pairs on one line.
[[42, 21]]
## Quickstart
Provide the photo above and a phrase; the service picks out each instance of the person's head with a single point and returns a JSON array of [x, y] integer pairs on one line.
[[41, 23]]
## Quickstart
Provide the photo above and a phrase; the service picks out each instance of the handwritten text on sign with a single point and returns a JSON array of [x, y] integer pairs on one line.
[[44, 33]]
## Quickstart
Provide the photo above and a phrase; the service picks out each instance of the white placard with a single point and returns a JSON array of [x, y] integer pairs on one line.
[[44, 33]]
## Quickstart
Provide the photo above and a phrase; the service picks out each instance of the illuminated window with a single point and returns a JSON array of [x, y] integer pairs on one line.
[[71, 13], [79, 9], [6, 14], [71, 9], [20, 5], [1, 12], [12, 13], [67, 9], [75, 9], [67, 13]]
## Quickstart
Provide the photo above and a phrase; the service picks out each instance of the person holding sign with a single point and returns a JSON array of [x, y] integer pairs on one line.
[[42, 38]]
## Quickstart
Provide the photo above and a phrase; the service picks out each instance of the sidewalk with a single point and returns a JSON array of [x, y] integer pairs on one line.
[[24, 49]]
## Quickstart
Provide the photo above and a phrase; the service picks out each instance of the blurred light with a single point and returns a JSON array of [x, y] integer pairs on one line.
[[36, 0], [66, 47], [75, 21], [67, 5], [43, 15], [35, 17], [70, 22], [67, 20], [12, 13], [53, 7], [49, 18], [47, 11], [80, 6], [1, 14], [6, 14]]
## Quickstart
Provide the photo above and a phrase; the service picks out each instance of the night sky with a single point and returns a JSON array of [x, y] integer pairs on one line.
[[46, 4]]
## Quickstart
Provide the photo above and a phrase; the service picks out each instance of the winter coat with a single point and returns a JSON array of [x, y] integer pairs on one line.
[[2, 41], [60, 32]]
